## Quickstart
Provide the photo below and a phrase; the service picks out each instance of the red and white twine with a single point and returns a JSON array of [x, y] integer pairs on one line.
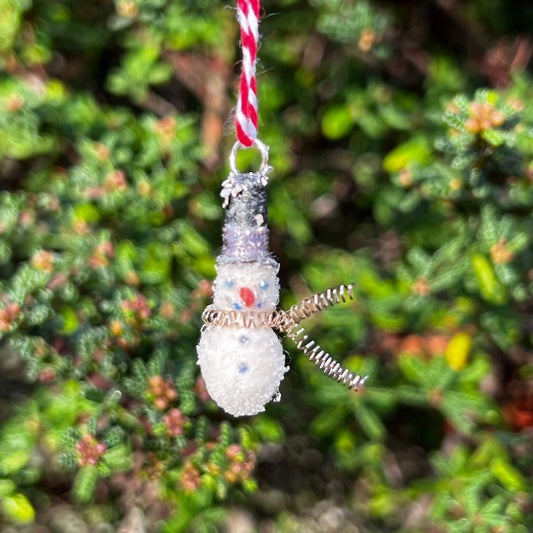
[[246, 112]]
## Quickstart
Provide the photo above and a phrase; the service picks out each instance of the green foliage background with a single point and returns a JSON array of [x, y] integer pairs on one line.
[[401, 134]]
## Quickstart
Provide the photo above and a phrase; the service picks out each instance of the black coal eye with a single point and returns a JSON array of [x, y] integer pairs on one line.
[[263, 285], [229, 283]]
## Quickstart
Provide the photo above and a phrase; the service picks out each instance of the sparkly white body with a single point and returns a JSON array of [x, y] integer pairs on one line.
[[243, 367]]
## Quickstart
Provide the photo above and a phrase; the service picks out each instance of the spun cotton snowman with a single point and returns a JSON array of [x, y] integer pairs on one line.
[[240, 356], [243, 366]]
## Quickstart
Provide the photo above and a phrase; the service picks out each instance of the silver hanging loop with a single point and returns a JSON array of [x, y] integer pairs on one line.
[[264, 169]]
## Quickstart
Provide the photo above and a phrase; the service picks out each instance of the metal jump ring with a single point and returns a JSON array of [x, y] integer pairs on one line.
[[262, 147]]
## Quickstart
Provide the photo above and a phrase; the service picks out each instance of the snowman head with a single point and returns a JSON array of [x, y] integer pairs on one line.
[[246, 287]]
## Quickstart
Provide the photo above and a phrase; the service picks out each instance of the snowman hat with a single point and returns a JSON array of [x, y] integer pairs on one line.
[[245, 233]]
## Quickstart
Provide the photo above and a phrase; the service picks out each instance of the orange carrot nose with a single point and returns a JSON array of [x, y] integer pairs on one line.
[[248, 296]]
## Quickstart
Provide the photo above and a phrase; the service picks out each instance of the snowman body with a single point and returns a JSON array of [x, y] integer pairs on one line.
[[242, 369]]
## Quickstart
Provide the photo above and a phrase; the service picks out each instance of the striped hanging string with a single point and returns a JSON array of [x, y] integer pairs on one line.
[[246, 112]]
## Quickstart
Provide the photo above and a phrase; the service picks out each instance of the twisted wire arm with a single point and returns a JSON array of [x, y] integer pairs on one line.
[[324, 361], [313, 304]]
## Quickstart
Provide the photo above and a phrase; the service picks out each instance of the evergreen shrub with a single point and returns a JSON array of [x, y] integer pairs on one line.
[[401, 135]]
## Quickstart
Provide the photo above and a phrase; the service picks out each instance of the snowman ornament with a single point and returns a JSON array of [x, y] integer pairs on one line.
[[239, 352]]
